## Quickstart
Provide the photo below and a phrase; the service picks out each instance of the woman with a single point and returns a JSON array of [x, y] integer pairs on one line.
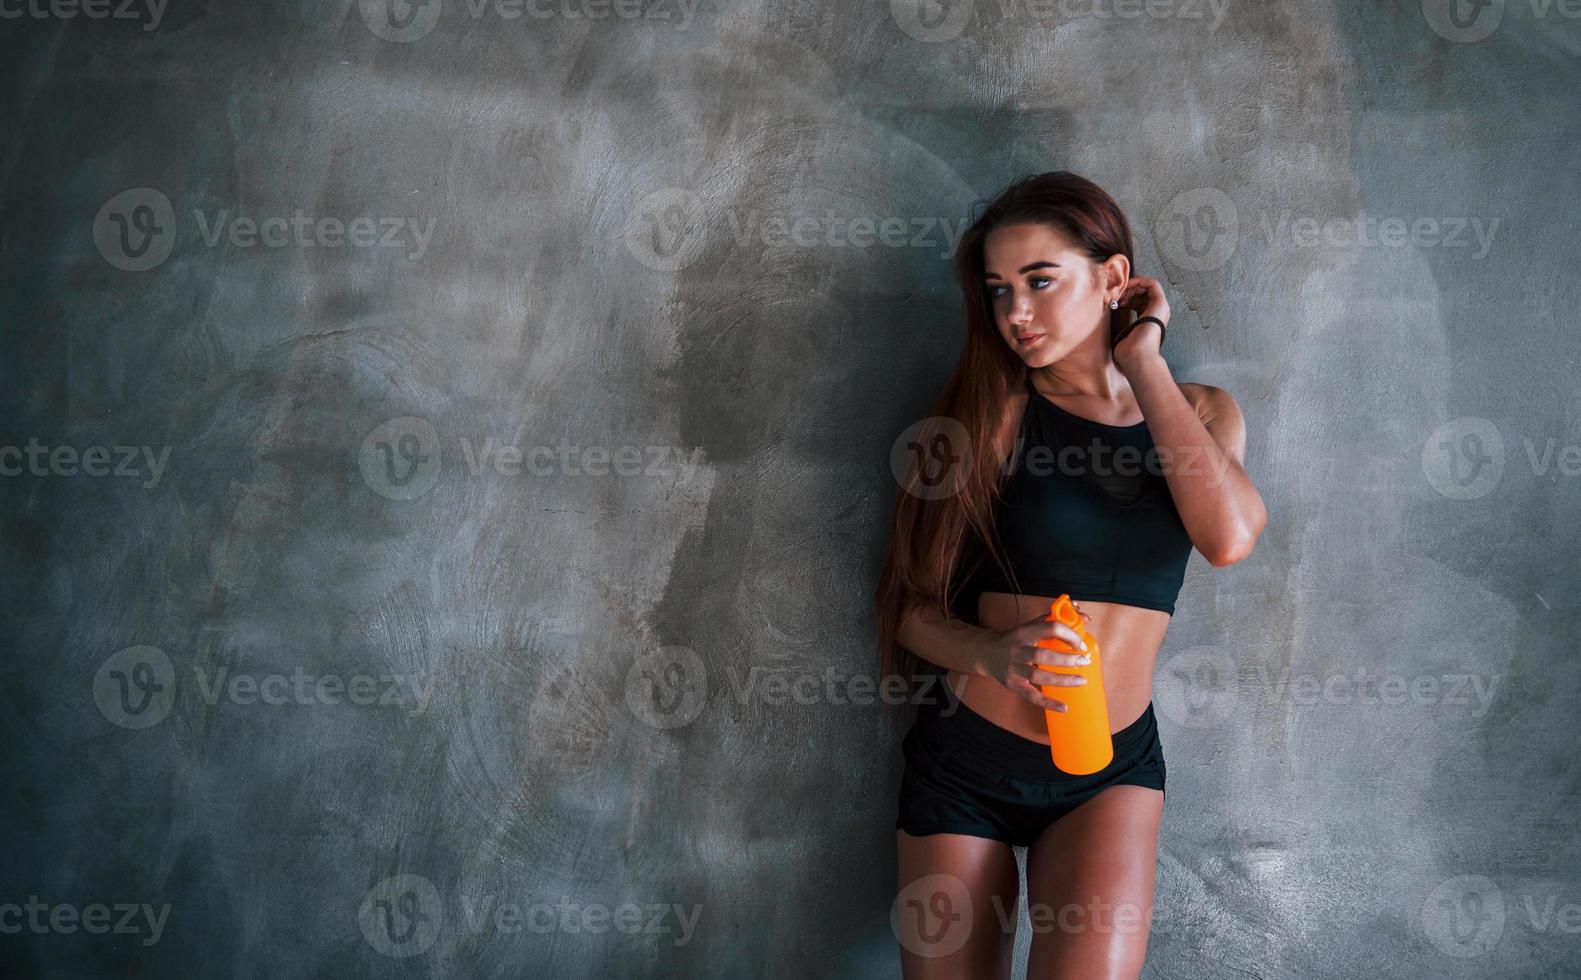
[[1077, 464]]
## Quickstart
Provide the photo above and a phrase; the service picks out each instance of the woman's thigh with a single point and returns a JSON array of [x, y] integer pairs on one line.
[[1090, 887], [955, 913]]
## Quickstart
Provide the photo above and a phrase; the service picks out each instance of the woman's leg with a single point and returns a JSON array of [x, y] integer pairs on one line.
[[956, 894], [1090, 887]]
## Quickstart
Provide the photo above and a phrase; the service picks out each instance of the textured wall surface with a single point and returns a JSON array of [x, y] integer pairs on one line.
[[446, 447]]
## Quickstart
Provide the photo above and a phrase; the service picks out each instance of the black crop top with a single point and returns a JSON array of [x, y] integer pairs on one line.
[[1087, 511]]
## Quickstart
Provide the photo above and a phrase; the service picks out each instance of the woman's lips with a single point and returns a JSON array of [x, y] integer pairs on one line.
[[1027, 340]]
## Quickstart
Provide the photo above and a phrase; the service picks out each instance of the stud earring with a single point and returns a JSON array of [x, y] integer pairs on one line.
[[1114, 304]]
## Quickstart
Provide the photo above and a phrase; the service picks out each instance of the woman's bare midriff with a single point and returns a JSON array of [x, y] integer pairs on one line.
[[1128, 639]]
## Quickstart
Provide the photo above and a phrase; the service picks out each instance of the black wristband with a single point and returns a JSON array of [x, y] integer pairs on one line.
[[1162, 330]]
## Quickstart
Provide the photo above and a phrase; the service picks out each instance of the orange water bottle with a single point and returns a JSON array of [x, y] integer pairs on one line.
[[1079, 738]]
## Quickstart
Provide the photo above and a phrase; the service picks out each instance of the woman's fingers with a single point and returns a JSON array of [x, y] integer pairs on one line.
[[1068, 636], [1043, 701], [1058, 658], [1039, 630], [1043, 678]]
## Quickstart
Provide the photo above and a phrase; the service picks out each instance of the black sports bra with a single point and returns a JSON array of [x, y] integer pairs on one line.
[[1087, 511]]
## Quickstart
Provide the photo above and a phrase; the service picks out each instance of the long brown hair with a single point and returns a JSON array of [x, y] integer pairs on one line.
[[934, 535]]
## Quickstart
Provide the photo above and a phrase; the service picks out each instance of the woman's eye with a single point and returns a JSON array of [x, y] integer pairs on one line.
[[994, 292], [1037, 279]]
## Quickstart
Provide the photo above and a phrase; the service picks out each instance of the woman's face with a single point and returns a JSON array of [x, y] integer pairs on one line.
[[1047, 298]]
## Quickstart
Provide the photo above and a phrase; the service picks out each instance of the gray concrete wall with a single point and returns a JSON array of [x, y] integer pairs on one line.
[[320, 681]]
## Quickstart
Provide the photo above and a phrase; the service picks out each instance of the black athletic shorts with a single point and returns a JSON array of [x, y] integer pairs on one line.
[[966, 775]]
